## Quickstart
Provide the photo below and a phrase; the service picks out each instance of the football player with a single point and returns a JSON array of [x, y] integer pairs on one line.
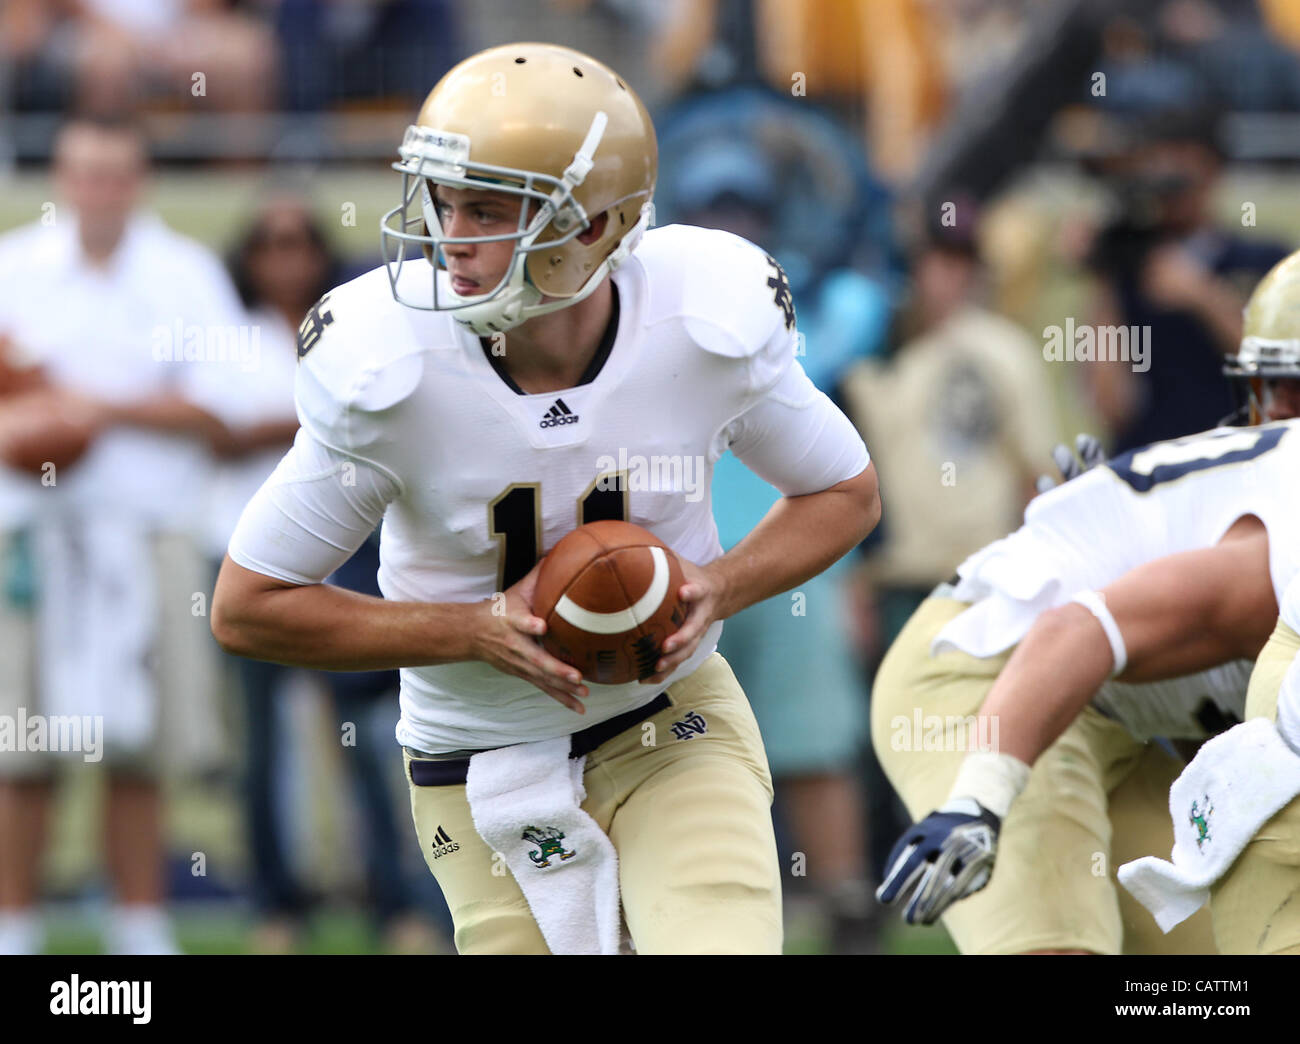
[[526, 348], [1129, 606]]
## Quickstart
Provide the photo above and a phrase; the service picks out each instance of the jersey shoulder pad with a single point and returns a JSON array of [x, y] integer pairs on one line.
[[732, 297], [357, 359]]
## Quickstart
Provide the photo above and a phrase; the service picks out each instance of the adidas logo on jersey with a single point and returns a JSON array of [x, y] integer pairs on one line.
[[558, 414], [443, 844]]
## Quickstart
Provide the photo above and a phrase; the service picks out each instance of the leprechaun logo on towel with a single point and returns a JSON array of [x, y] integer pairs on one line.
[[1200, 818], [547, 840]]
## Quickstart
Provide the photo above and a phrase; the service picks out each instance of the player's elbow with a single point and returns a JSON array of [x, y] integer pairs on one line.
[[230, 631], [1073, 631], [864, 489], [1062, 621], [871, 515], [236, 620]]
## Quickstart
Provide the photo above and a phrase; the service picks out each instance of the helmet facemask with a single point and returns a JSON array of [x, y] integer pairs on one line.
[[550, 218], [1258, 365]]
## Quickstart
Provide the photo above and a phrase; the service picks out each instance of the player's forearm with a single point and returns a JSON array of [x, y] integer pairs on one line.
[[330, 628], [799, 538], [1055, 670]]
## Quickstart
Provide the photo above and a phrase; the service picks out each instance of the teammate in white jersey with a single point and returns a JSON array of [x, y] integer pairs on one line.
[[552, 366], [1134, 598]]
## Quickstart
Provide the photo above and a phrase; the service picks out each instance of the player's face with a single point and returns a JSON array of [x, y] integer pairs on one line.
[[476, 268], [1280, 398]]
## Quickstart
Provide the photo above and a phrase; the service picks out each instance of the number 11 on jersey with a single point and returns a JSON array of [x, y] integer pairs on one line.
[[515, 520]]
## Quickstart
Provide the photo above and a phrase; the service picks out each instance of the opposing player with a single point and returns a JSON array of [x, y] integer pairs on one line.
[[521, 292], [1128, 606]]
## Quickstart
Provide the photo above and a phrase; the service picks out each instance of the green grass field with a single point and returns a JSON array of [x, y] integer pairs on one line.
[[226, 928], [218, 931]]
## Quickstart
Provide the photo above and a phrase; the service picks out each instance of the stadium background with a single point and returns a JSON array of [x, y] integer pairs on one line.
[[895, 108]]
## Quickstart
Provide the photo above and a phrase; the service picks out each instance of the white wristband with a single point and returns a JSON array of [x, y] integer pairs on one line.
[[994, 780], [1095, 603]]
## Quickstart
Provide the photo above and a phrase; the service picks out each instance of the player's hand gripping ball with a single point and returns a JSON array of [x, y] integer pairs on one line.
[[609, 595]]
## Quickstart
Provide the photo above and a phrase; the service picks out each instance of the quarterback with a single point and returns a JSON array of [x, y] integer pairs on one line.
[[526, 330], [1129, 606]]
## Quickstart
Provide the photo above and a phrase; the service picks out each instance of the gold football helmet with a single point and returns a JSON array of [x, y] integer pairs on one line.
[[547, 124], [1270, 335]]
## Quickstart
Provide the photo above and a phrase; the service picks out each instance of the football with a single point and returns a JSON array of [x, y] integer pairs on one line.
[[608, 594]]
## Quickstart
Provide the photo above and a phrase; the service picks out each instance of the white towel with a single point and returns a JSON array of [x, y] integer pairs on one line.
[[1234, 785], [97, 622], [525, 801]]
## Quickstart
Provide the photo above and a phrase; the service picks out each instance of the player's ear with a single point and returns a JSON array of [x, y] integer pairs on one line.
[[595, 230]]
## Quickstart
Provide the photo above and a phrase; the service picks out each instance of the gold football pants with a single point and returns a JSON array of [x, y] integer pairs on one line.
[[689, 814]]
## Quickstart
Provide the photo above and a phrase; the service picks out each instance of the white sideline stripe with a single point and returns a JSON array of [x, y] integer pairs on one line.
[[623, 619]]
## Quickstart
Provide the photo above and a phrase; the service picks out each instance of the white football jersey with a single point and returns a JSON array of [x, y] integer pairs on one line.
[[482, 479], [1162, 499]]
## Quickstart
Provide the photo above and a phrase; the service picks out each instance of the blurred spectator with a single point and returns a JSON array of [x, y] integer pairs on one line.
[[792, 652], [960, 422], [105, 626], [1139, 74], [106, 56], [282, 264], [877, 60], [833, 216], [1233, 54], [1163, 265], [333, 51], [1187, 53]]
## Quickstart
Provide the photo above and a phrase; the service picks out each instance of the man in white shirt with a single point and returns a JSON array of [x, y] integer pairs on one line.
[[128, 322]]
